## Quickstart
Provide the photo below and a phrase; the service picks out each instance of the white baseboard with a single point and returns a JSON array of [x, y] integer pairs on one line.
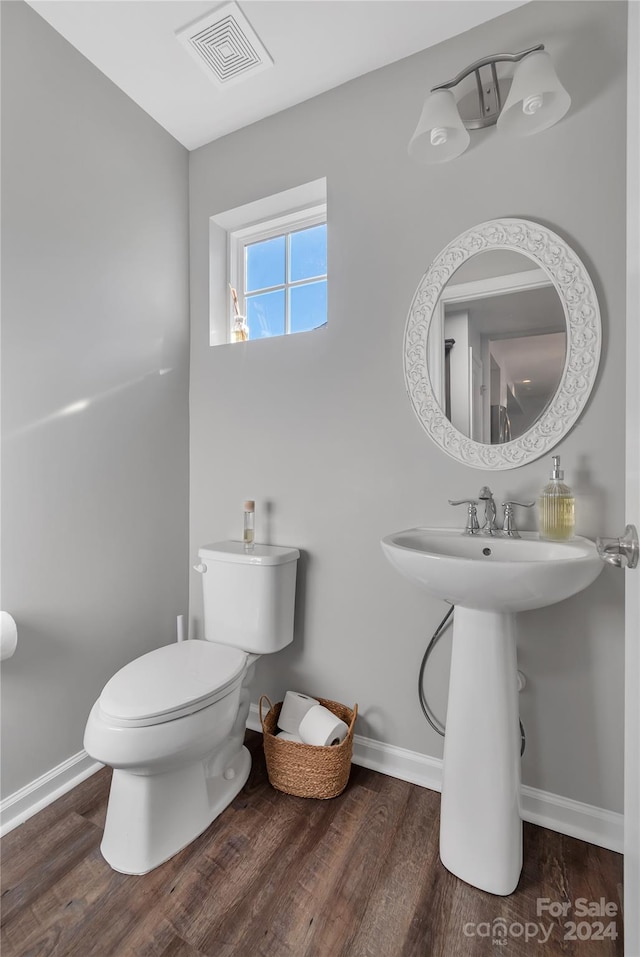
[[398, 762], [20, 806], [583, 821]]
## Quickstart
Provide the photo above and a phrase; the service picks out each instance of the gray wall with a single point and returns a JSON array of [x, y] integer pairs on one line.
[[318, 429], [94, 307]]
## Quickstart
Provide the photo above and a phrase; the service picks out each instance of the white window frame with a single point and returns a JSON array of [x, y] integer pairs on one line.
[[289, 206], [239, 239]]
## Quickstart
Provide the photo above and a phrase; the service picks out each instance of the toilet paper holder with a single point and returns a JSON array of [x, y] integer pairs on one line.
[[8, 635]]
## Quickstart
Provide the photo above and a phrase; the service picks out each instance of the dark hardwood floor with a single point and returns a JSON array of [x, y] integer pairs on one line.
[[278, 876]]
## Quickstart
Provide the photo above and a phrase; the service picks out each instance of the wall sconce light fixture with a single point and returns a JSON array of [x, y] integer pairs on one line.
[[532, 100]]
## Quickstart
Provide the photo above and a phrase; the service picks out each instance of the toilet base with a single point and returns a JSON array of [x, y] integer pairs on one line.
[[152, 817]]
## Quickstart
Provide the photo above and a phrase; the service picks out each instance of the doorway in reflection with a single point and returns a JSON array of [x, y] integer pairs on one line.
[[503, 344]]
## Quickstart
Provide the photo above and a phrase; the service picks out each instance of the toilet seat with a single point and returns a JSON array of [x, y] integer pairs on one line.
[[171, 682]]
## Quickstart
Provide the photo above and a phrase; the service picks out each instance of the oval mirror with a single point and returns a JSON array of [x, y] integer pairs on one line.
[[502, 344]]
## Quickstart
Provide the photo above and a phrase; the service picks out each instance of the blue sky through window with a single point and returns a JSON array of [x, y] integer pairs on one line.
[[285, 283], [265, 314], [307, 306], [265, 264], [308, 256]]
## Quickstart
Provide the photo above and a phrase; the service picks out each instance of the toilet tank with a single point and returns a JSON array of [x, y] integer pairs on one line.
[[249, 597]]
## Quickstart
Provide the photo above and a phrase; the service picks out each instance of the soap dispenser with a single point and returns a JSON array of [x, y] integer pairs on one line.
[[556, 507]]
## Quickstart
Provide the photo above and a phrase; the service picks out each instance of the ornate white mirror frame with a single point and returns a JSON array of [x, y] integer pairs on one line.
[[575, 289]]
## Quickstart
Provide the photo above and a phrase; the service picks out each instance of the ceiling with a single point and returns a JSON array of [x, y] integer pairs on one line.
[[315, 46]]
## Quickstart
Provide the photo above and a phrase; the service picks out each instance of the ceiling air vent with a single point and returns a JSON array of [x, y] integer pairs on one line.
[[225, 45]]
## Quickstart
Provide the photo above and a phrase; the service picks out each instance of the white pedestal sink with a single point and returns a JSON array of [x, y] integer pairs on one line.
[[488, 580]]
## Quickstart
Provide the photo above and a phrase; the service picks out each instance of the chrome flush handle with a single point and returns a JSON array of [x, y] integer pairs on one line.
[[621, 552]]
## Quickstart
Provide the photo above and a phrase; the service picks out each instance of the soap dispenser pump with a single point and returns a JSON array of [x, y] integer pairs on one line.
[[556, 507]]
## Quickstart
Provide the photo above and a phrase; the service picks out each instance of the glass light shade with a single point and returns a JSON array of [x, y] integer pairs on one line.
[[440, 134], [537, 98]]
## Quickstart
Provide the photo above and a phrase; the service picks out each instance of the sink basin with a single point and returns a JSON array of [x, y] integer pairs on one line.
[[495, 574], [488, 580]]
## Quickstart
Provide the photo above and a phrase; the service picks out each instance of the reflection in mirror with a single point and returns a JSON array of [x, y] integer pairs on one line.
[[497, 346]]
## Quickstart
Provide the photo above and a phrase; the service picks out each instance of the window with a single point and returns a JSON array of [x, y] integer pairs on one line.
[[279, 269], [273, 252]]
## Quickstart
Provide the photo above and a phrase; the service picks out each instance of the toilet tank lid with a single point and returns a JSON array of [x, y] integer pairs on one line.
[[172, 678], [259, 555]]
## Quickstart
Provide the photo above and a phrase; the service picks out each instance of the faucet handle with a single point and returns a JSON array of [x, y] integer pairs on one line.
[[509, 525], [472, 526]]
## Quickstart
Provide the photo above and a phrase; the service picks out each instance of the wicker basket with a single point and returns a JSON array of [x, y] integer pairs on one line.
[[307, 770]]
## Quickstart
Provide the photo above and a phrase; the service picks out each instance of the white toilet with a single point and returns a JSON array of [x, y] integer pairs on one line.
[[171, 723]]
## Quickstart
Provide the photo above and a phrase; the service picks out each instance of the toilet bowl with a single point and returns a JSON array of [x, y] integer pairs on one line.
[[175, 744], [171, 723]]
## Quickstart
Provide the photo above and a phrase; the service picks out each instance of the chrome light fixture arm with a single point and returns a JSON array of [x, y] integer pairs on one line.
[[486, 61], [483, 111]]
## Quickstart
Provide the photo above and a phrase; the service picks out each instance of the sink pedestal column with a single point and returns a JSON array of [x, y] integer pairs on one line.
[[480, 824]]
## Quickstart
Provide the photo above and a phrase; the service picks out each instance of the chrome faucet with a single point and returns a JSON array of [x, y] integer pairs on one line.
[[509, 525], [490, 526], [472, 527]]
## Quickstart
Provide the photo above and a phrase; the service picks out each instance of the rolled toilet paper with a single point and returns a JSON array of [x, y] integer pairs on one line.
[[322, 727], [294, 708], [288, 736], [8, 635]]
